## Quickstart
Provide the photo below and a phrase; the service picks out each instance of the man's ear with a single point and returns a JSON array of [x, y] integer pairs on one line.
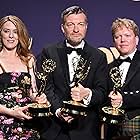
[[137, 40], [62, 28]]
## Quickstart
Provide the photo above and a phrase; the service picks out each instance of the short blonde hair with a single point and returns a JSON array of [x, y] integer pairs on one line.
[[128, 23]]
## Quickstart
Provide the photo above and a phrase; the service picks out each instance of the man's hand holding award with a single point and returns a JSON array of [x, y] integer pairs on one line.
[[75, 107]]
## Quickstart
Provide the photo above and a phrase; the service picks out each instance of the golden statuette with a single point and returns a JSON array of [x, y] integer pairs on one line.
[[81, 70], [114, 114], [43, 109]]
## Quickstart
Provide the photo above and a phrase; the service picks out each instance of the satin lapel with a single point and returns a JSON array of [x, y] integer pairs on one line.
[[87, 56], [134, 67], [64, 62], [86, 53]]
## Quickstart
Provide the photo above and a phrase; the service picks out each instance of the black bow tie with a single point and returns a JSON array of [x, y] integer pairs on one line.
[[78, 50], [120, 61]]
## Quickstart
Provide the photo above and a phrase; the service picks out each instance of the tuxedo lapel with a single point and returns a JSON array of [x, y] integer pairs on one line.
[[87, 56], [134, 67], [64, 62]]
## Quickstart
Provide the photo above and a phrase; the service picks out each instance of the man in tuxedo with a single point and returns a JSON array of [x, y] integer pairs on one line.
[[91, 91], [125, 34]]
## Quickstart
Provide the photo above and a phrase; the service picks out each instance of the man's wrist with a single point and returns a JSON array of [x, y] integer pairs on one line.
[[87, 98]]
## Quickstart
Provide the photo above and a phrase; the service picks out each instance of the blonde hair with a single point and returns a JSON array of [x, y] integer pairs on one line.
[[23, 49], [128, 23]]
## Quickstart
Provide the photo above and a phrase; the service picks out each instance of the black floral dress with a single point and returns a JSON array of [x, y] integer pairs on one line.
[[14, 92]]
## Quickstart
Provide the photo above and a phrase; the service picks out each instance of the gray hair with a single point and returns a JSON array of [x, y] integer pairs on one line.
[[72, 10]]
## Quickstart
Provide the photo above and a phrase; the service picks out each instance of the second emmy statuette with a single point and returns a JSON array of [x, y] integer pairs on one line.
[[81, 69], [42, 109], [114, 114]]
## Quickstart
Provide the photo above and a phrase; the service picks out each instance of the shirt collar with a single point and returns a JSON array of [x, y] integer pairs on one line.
[[81, 45], [130, 55]]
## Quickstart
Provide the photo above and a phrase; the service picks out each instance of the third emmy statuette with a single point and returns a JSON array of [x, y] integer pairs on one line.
[[114, 114]]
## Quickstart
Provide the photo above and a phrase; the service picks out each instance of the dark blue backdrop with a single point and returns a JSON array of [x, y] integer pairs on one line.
[[42, 18]]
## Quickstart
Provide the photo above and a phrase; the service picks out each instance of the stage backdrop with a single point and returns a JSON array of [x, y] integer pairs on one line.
[[42, 18]]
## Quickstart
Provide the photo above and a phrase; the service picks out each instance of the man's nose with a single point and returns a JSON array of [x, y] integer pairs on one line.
[[76, 28], [123, 38]]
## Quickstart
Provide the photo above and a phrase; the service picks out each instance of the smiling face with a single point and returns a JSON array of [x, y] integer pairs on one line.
[[125, 40], [74, 28], [9, 35]]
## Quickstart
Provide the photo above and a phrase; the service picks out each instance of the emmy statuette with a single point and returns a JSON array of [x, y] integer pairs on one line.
[[76, 108], [113, 114], [42, 109]]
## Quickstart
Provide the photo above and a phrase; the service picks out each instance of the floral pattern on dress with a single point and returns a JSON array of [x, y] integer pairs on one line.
[[12, 96]]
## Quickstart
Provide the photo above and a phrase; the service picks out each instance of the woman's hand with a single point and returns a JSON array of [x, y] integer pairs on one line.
[[41, 99], [20, 112]]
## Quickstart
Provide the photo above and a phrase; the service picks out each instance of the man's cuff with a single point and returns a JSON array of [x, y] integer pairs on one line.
[[57, 112], [87, 99]]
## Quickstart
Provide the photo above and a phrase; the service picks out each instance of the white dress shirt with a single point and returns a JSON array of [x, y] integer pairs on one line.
[[73, 59], [124, 67]]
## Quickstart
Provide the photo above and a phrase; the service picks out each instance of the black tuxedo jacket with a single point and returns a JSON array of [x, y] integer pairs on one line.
[[58, 90], [131, 88]]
